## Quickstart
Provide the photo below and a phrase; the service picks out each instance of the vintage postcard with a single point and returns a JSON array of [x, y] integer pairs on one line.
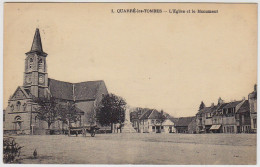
[[130, 83]]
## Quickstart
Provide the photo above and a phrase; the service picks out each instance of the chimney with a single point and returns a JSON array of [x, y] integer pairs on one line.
[[212, 104], [255, 87], [162, 112]]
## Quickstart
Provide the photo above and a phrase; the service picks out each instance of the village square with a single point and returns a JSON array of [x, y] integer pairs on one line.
[[52, 120]]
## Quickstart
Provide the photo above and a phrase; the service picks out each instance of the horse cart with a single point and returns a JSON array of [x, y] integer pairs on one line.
[[83, 130]]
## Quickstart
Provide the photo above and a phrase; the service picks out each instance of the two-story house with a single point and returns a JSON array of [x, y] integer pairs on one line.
[[201, 120], [151, 121], [217, 118], [252, 99], [243, 116], [229, 122]]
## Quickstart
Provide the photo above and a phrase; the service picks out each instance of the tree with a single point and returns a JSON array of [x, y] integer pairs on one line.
[[91, 117], [47, 109], [202, 105], [111, 110], [161, 118], [11, 150], [68, 113]]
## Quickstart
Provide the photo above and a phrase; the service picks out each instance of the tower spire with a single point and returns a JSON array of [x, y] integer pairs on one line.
[[37, 43]]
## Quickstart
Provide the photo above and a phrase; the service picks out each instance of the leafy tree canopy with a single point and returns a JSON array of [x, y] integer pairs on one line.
[[68, 112], [47, 109], [110, 110]]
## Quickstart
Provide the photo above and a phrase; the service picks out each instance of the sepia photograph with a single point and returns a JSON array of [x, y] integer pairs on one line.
[[130, 83]]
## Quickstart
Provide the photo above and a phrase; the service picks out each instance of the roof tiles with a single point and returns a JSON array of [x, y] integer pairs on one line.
[[78, 91]]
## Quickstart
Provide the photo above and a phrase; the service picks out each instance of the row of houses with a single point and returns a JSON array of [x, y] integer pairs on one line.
[[233, 117], [152, 121]]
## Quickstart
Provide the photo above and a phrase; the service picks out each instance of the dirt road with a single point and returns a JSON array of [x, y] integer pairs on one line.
[[141, 149]]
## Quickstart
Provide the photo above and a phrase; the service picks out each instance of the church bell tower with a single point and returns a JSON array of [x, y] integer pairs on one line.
[[35, 75]]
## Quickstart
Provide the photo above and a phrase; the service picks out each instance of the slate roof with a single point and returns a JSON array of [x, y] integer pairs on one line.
[[138, 112], [212, 109], [244, 107], [204, 110], [184, 121], [232, 104], [174, 120], [145, 115], [151, 114], [37, 44], [86, 90], [219, 108], [154, 115], [74, 91], [222, 106], [60, 89]]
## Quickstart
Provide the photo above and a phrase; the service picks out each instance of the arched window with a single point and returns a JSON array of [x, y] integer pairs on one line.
[[40, 64], [36, 120], [24, 106], [18, 123], [12, 107], [18, 105], [30, 63], [17, 118]]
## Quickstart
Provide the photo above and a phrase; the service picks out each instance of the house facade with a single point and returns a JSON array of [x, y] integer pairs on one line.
[[182, 125], [217, 118], [201, 120], [230, 123], [21, 112], [151, 121], [252, 99], [168, 126], [222, 118], [192, 126], [232, 117], [243, 118]]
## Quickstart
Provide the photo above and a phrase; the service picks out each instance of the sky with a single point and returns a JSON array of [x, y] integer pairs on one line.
[[163, 61]]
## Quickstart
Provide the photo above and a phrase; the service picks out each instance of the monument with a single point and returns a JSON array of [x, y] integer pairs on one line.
[[128, 128]]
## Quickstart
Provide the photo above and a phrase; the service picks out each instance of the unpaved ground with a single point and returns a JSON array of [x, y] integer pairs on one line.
[[141, 149]]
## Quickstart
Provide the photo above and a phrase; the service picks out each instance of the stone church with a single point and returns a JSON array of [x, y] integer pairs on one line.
[[21, 115]]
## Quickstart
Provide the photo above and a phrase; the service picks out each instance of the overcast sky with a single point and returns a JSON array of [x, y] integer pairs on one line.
[[163, 61]]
